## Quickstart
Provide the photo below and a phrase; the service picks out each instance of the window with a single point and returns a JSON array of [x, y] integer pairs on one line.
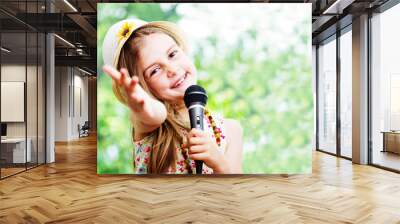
[[385, 89], [327, 96], [346, 94]]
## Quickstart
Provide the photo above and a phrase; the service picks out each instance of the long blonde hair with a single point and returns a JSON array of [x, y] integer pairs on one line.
[[167, 137]]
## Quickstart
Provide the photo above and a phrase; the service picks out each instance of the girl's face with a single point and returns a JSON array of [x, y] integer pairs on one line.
[[166, 68]]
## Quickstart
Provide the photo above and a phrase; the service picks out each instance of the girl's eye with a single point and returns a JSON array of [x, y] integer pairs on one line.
[[154, 71], [173, 53]]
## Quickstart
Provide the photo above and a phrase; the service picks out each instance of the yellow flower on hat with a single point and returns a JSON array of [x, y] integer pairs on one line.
[[125, 31]]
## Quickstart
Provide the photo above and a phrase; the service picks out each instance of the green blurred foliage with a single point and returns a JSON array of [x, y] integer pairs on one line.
[[270, 96]]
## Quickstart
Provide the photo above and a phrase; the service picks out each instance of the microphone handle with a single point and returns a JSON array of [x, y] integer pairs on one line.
[[199, 166], [196, 114]]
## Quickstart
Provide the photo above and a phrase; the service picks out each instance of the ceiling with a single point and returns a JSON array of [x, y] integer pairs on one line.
[[75, 43], [329, 16], [75, 21]]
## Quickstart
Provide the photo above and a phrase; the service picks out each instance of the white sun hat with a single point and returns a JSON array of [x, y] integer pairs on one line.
[[116, 37]]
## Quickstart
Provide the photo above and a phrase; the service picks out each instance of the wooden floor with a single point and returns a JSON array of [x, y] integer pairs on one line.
[[387, 159], [70, 191], [10, 171]]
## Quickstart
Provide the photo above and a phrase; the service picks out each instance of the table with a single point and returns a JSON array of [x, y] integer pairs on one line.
[[391, 141]]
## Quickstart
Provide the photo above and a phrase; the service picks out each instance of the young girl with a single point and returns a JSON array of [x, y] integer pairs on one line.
[[151, 71]]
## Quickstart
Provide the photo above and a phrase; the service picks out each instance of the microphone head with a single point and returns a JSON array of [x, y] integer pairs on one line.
[[195, 94]]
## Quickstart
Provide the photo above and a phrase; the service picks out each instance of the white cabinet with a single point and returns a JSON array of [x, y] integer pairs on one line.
[[18, 149]]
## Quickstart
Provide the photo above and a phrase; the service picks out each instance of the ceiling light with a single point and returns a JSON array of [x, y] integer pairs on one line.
[[5, 49], [337, 7], [70, 5], [64, 40], [84, 71]]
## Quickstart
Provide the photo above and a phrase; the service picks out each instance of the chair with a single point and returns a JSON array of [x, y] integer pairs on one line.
[[84, 130]]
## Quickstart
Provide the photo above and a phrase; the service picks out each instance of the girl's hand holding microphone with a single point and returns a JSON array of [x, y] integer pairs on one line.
[[203, 147]]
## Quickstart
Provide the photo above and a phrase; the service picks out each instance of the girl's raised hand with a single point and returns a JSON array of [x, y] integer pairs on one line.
[[135, 93], [147, 113]]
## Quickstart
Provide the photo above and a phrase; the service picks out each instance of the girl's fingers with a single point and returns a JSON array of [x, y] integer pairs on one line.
[[141, 102], [124, 80], [197, 149], [135, 78], [122, 77], [198, 156], [112, 72], [131, 86], [196, 133], [192, 141], [196, 140]]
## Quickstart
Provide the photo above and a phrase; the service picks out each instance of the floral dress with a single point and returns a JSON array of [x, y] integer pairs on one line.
[[184, 165]]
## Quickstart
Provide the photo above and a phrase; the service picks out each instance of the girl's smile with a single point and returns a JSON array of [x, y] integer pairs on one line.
[[179, 82]]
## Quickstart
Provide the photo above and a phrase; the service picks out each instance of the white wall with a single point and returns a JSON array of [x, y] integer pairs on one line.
[[61, 103], [80, 89], [70, 83]]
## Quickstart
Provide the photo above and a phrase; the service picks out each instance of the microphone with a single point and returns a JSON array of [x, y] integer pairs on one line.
[[195, 100]]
